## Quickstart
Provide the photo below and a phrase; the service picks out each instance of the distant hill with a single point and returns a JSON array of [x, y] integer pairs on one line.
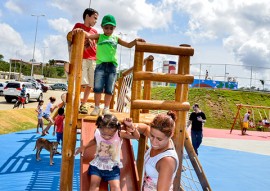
[[219, 105]]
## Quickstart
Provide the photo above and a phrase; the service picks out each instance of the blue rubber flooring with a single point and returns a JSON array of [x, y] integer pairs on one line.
[[226, 170]]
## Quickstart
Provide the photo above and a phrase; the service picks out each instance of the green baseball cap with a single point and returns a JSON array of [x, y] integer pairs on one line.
[[108, 20]]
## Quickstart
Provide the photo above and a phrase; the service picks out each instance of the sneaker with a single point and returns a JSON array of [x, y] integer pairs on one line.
[[95, 112], [83, 109], [106, 111]]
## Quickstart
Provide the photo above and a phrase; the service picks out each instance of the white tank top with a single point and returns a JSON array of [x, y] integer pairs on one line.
[[151, 173]]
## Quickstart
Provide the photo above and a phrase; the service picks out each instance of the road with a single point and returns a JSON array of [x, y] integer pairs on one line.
[[33, 103]]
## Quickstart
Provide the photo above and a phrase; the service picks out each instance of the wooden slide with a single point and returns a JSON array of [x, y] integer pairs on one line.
[[129, 177]]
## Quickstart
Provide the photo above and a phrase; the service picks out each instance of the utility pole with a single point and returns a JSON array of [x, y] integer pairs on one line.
[[33, 59]]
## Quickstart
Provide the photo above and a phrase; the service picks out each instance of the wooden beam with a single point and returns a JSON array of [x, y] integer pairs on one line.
[[161, 49], [160, 105], [163, 77]]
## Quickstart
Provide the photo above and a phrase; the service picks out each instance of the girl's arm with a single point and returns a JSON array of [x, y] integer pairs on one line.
[[129, 44], [53, 108], [165, 167], [82, 148], [37, 109]]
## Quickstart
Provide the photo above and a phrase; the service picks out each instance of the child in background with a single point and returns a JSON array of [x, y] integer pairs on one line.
[[47, 115], [105, 72], [245, 123], [90, 17], [59, 125], [39, 110], [108, 139], [23, 95]]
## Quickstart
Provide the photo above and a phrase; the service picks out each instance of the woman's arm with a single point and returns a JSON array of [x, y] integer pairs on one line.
[[165, 167], [129, 44], [131, 131], [144, 129]]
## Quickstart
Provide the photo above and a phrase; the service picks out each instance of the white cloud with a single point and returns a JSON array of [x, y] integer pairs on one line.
[[61, 25], [242, 26], [56, 47], [13, 6]]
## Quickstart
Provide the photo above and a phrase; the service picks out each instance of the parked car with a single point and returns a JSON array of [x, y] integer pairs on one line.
[[59, 86], [40, 81], [44, 88], [36, 84], [13, 90], [2, 85]]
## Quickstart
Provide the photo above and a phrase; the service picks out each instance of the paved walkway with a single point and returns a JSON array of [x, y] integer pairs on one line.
[[255, 142]]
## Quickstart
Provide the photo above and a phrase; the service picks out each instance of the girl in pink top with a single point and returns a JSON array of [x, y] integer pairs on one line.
[[108, 139]]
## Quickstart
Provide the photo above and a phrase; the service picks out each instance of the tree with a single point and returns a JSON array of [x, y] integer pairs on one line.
[[262, 82]]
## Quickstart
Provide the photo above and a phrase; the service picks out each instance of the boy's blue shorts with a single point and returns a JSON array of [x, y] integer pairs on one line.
[[104, 80]]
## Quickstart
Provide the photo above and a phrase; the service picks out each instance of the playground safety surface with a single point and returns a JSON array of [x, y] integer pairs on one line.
[[231, 161]]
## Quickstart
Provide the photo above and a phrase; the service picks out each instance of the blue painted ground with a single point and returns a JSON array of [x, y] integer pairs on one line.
[[226, 170]]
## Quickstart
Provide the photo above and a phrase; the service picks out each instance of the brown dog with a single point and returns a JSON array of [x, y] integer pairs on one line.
[[49, 146]]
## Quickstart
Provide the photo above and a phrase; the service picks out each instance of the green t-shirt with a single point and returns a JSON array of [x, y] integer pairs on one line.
[[106, 49]]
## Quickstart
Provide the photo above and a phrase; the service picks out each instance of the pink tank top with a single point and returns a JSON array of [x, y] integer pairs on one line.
[[107, 152]]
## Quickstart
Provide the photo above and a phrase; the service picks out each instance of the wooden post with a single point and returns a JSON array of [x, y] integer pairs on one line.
[[236, 116], [135, 113], [69, 143], [147, 83]]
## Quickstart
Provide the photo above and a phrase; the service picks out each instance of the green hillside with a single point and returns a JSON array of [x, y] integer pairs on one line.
[[219, 105]]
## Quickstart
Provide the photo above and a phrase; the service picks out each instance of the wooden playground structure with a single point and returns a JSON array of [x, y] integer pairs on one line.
[[254, 109], [140, 105]]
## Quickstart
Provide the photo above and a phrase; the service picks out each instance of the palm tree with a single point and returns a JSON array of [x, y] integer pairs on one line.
[[262, 82]]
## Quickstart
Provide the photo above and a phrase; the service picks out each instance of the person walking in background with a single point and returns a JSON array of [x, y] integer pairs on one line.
[[245, 122], [108, 140], [197, 119], [90, 17], [47, 115], [39, 110], [206, 74], [105, 72]]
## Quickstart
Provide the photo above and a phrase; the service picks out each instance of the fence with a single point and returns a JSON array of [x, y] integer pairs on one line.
[[248, 77]]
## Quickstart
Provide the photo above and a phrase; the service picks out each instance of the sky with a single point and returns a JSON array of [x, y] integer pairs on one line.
[[221, 32]]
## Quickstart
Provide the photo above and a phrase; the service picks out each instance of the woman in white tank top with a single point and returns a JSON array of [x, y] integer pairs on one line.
[[161, 160]]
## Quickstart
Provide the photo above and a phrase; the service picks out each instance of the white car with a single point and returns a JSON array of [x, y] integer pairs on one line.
[[13, 90], [2, 85]]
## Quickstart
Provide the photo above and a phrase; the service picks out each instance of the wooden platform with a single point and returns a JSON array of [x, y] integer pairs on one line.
[[144, 117]]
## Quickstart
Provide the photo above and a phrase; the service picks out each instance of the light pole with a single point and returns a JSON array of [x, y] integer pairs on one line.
[[121, 35], [43, 59], [33, 59]]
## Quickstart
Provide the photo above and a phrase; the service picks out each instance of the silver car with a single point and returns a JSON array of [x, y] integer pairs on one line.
[[13, 90], [2, 86]]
